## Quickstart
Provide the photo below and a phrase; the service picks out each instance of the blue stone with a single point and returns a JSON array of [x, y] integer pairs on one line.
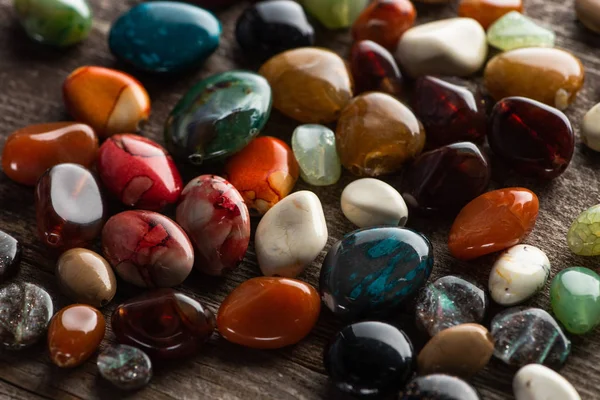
[[370, 272], [165, 36]]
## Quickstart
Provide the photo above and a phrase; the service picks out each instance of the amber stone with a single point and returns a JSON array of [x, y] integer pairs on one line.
[[492, 222], [376, 135], [384, 21], [374, 69], [164, 323], [69, 207], [533, 138], [449, 113], [447, 178], [30, 151], [74, 334], [309, 84], [549, 75], [488, 11], [269, 312]]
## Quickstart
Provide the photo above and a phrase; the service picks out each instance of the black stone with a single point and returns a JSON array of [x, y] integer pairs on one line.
[[438, 387], [10, 256]]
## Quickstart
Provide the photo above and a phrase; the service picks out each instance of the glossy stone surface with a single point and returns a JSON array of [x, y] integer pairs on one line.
[[214, 215], [536, 382], [310, 85], [218, 116], [492, 222], [55, 22], [588, 13], [164, 323], [10, 256], [369, 202], [74, 334], [529, 335], [548, 75], [369, 359], [86, 277], [269, 313], [264, 173], [335, 14], [374, 69], [438, 387], [449, 113], [447, 178], [575, 297], [454, 47], [271, 27], [315, 150], [164, 36], [30, 151], [384, 22], [590, 128], [533, 138], [147, 249], [25, 310], [139, 172], [449, 301], [126, 367], [514, 30], [487, 11], [69, 207], [518, 274], [376, 135], [108, 100], [583, 237], [291, 235], [370, 272]]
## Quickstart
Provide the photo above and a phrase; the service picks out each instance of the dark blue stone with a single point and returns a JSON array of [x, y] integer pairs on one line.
[[165, 36], [370, 272], [438, 387], [369, 359]]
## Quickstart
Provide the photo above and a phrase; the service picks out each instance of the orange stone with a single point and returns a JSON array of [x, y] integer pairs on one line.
[[492, 222], [74, 334], [384, 22], [30, 151], [269, 312], [108, 100], [486, 12]]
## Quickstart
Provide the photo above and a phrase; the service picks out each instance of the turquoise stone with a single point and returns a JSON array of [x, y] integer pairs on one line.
[[575, 297], [514, 30], [315, 151], [218, 116], [583, 237], [55, 22], [165, 36], [335, 14]]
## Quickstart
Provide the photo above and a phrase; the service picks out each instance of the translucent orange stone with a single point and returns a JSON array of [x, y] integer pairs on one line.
[[492, 222], [74, 334], [487, 12], [384, 22], [269, 312]]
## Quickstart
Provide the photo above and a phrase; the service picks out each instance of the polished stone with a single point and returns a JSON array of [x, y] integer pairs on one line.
[[514, 30], [315, 150], [536, 382], [384, 22], [487, 11], [335, 14], [126, 367], [588, 12], [583, 237], [374, 69], [590, 128], [438, 387], [10, 256]]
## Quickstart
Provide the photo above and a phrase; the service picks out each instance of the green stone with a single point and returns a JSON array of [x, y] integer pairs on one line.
[[514, 30], [583, 237], [575, 296], [314, 148], [335, 14], [55, 22], [218, 116]]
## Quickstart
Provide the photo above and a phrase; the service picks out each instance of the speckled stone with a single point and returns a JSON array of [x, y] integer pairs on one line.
[[10, 256], [124, 366]]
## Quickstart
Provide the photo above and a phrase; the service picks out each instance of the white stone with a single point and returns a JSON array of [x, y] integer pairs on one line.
[[291, 235], [518, 274], [455, 46], [537, 382], [370, 202], [590, 129]]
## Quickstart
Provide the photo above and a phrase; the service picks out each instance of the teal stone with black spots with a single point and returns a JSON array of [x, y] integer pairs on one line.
[[371, 272]]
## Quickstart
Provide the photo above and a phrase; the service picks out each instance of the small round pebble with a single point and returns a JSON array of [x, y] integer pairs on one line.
[[126, 367], [590, 129], [536, 382], [438, 387]]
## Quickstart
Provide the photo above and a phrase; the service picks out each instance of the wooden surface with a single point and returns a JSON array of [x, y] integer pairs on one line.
[[30, 92]]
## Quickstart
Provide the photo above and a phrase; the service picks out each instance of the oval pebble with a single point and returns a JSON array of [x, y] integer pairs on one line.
[[536, 382], [590, 129], [126, 367], [583, 237], [438, 387]]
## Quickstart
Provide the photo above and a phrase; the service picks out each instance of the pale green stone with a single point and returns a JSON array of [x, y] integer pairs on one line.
[[335, 14], [514, 30], [583, 237], [314, 148]]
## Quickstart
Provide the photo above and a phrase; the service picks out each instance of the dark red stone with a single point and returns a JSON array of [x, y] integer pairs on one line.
[[374, 69], [535, 139], [449, 113], [447, 178], [139, 172]]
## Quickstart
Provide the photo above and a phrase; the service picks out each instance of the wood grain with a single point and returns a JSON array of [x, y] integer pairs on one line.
[[30, 92]]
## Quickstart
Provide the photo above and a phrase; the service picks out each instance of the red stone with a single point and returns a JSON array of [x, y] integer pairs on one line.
[[384, 22], [535, 139], [139, 172], [374, 69]]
